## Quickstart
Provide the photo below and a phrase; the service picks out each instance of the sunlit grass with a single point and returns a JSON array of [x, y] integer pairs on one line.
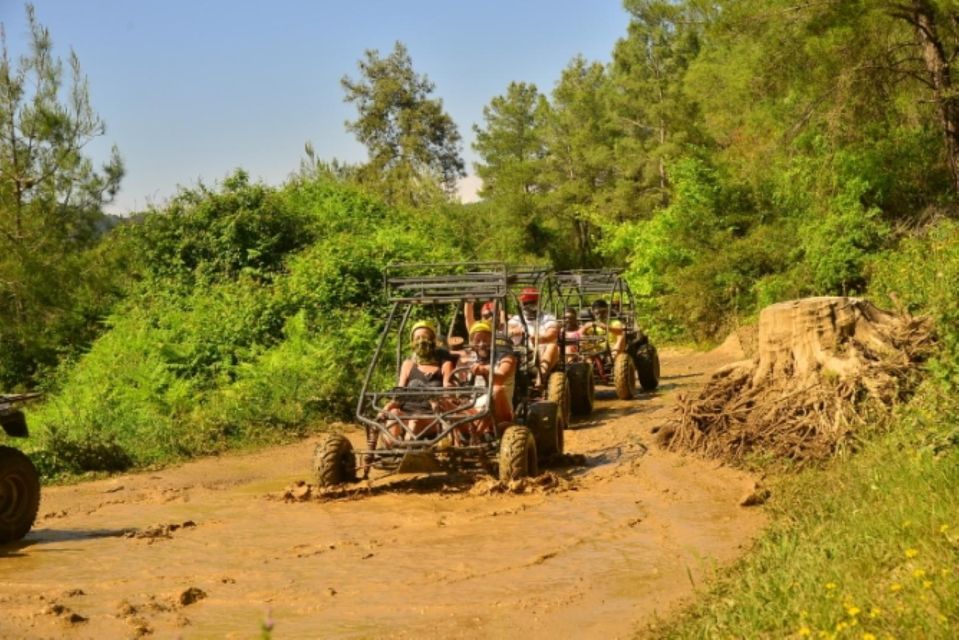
[[867, 548]]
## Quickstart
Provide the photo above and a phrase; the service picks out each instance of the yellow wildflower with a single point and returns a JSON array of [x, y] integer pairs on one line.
[[895, 587], [944, 528], [852, 610], [868, 636], [912, 553], [805, 631], [875, 611], [830, 585], [841, 626], [919, 572], [927, 584]]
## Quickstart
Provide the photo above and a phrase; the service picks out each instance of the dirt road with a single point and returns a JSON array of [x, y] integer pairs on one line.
[[210, 549]]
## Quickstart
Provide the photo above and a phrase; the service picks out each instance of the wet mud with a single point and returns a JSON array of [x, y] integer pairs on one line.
[[615, 535]]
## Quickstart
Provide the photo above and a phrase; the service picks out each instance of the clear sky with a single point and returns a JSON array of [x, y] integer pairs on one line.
[[191, 89]]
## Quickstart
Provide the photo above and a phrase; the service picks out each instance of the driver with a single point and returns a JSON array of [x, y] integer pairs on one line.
[[425, 368], [543, 330]]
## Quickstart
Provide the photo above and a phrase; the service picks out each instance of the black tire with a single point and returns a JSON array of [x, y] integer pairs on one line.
[[647, 367], [582, 388], [624, 376], [543, 421], [19, 494], [334, 461], [517, 454], [558, 391]]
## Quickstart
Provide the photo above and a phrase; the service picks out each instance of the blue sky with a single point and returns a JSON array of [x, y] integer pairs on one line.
[[193, 89]]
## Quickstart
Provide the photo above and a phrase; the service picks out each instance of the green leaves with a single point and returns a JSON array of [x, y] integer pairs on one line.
[[51, 200], [412, 143]]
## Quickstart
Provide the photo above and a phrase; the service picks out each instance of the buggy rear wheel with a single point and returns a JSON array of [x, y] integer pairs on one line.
[[647, 367], [334, 461], [624, 376], [19, 494], [517, 454], [582, 388]]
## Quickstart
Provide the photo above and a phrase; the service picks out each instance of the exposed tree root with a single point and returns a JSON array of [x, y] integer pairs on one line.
[[823, 367]]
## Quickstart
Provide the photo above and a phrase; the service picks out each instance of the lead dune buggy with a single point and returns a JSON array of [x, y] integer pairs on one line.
[[442, 436], [619, 368], [19, 480]]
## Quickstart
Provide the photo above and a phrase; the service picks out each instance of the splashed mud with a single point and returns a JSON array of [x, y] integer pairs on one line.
[[613, 535]]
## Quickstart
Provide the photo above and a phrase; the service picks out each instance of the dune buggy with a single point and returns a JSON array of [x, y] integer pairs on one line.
[[440, 433], [617, 351], [19, 480]]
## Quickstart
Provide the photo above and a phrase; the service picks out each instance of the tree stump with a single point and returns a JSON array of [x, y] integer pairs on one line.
[[821, 366]]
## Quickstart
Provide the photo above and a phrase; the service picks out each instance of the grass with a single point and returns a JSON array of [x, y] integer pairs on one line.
[[865, 548]]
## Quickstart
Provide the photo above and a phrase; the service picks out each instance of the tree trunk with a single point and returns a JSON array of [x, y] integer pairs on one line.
[[822, 364], [923, 18]]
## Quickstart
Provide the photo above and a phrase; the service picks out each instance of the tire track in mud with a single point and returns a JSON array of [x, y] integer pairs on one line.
[[618, 533]]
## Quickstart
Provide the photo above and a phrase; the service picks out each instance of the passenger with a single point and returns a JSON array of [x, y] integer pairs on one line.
[[503, 376], [486, 313], [543, 331], [571, 332], [426, 368]]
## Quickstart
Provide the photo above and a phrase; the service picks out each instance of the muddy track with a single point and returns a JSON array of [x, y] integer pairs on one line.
[[605, 543]]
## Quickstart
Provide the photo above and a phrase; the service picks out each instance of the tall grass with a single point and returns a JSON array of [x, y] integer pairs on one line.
[[868, 548]]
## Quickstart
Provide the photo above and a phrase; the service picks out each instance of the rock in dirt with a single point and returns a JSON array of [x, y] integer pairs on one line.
[[192, 595], [759, 495], [299, 491]]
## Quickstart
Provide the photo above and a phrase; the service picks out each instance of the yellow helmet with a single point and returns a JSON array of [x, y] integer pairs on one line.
[[615, 325], [482, 325], [423, 324]]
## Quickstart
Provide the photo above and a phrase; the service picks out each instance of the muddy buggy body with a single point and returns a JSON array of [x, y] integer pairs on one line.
[[439, 435], [637, 361], [19, 480]]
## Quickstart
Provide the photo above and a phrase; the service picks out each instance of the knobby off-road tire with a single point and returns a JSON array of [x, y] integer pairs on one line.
[[558, 391], [582, 388], [334, 461], [517, 454], [543, 421], [19, 494], [647, 367], [624, 376]]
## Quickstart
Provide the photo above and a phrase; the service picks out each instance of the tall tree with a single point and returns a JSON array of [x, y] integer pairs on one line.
[[411, 141], [649, 104], [511, 144], [579, 169], [512, 150], [51, 200]]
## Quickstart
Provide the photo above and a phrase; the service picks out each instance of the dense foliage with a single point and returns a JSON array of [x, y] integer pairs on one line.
[[732, 153], [255, 311]]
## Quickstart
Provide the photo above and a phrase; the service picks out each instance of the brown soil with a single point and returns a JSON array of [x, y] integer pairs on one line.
[[617, 535]]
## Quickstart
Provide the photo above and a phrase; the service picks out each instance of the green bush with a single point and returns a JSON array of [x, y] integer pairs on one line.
[[239, 337], [920, 275]]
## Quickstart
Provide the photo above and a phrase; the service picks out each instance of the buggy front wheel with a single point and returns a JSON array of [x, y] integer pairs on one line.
[[517, 454], [334, 461], [624, 376], [19, 494]]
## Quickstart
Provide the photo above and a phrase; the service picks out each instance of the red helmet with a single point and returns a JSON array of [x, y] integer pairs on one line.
[[487, 307], [529, 294]]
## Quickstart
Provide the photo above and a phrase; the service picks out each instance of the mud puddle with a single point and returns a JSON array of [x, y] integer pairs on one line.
[[616, 534]]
